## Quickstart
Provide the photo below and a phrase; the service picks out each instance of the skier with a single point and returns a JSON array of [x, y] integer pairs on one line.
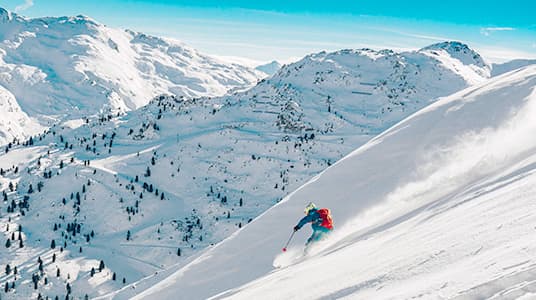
[[320, 220]]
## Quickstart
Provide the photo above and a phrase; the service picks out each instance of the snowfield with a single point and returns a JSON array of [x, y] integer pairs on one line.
[[440, 206]]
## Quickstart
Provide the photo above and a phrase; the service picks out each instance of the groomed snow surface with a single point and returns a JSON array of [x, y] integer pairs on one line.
[[440, 206]]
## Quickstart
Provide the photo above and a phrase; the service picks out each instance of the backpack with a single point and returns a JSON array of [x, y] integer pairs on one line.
[[325, 215]]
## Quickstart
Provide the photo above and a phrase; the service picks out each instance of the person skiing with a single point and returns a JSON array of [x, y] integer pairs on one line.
[[320, 220]]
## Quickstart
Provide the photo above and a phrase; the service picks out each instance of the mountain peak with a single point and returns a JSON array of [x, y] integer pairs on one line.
[[5, 15], [269, 68], [448, 45], [79, 20], [458, 50]]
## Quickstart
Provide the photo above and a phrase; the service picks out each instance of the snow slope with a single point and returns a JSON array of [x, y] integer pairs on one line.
[[14, 123], [498, 69], [438, 206], [154, 187], [60, 67]]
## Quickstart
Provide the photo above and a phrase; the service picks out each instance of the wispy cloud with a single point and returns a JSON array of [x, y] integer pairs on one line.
[[487, 31], [24, 6]]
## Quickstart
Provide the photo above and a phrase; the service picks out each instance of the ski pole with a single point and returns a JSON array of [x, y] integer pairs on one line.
[[285, 248]]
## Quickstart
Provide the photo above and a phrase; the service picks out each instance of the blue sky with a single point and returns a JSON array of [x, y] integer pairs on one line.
[[286, 30]]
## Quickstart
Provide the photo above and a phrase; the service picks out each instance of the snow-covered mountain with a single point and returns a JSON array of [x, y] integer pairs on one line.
[[14, 123], [362, 91], [69, 67], [438, 206], [269, 68], [151, 188], [501, 68]]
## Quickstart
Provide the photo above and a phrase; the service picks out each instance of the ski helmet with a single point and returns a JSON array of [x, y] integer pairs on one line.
[[309, 207]]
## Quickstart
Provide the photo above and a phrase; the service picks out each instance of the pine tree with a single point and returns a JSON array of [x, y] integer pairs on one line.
[[101, 266], [8, 269], [128, 235], [92, 273], [148, 172], [113, 276], [8, 243], [178, 251], [53, 244]]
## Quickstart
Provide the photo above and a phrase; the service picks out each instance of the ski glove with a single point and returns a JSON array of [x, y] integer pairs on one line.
[[296, 228]]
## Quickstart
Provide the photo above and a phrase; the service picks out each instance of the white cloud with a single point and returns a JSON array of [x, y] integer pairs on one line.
[[24, 6], [487, 31]]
